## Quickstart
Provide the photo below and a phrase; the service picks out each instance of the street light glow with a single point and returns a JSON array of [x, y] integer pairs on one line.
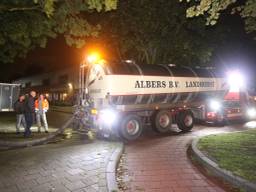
[[70, 86], [93, 58]]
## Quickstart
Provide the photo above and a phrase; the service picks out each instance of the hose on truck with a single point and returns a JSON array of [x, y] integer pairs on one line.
[[44, 140], [79, 121]]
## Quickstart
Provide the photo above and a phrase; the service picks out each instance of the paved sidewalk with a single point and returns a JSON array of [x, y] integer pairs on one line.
[[160, 163], [55, 120], [69, 166]]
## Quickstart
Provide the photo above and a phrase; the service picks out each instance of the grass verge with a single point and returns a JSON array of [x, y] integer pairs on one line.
[[235, 152]]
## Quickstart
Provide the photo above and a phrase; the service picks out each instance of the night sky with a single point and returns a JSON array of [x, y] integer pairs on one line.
[[238, 52], [55, 56]]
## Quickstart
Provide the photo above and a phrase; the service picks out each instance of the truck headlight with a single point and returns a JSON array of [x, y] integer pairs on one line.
[[215, 105], [251, 112], [108, 116]]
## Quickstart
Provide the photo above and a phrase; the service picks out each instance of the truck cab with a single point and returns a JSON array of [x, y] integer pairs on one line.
[[234, 106]]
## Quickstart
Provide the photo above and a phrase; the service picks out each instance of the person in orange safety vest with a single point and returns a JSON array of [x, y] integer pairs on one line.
[[41, 107]]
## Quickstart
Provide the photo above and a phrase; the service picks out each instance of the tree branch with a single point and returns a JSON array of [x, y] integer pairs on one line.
[[12, 9]]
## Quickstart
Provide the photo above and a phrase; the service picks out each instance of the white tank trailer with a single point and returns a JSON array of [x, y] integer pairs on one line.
[[126, 96]]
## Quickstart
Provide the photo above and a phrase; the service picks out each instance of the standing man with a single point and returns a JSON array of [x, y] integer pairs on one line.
[[29, 112], [19, 108], [41, 107]]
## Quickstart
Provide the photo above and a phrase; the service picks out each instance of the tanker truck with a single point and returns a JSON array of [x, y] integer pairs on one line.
[[125, 96]]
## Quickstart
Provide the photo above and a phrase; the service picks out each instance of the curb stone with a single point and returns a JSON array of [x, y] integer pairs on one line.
[[217, 171], [111, 169]]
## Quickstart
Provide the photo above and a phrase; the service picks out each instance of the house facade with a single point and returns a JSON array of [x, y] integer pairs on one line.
[[60, 87]]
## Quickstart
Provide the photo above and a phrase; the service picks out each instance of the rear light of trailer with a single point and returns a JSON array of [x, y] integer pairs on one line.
[[211, 115]]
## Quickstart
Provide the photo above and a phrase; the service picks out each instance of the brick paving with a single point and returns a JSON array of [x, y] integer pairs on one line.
[[69, 166], [160, 163]]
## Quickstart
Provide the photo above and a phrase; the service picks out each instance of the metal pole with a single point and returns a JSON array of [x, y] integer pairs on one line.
[[84, 83], [80, 84], [1, 92], [11, 98]]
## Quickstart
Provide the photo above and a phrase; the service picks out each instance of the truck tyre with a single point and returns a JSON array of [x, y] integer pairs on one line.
[[221, 123], [185, 120], [161, 121], [131, 127]]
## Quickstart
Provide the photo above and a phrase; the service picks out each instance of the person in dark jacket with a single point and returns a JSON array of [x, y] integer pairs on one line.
[[19, 108], [29, 112]]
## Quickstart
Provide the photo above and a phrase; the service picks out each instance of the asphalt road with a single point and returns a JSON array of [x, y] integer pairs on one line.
[[160, 163]]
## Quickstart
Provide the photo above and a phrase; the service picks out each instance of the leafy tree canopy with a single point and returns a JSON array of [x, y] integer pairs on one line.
[[159, 32], [27, 24], [213, 8]]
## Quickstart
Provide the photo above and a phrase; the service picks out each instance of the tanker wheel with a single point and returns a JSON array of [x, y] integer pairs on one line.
[[131, 127], [185, 120], [220, 122], [161, 121]]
